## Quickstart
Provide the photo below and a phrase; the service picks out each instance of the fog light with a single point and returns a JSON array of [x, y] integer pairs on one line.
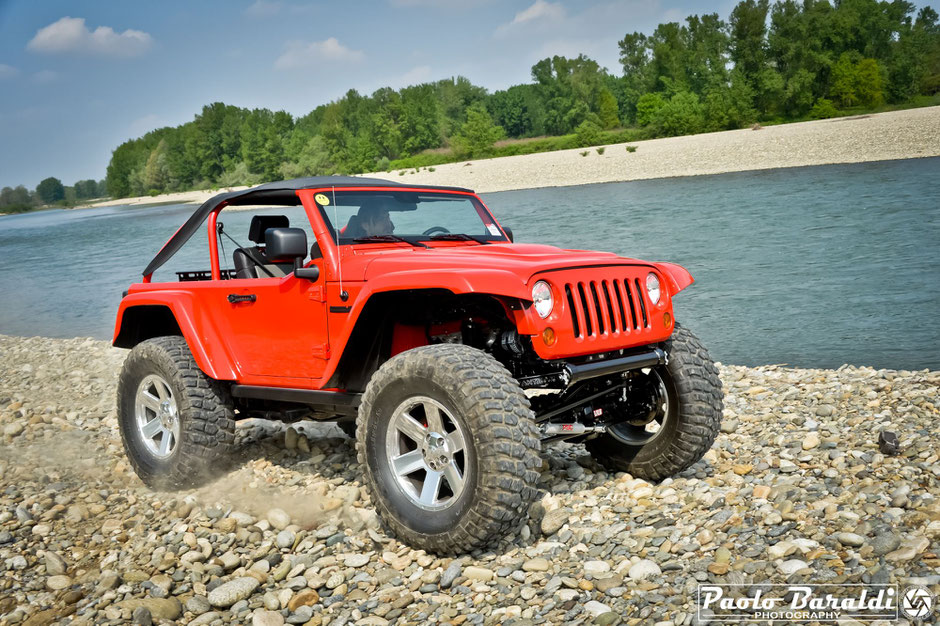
[[548, 336], [667, 320]]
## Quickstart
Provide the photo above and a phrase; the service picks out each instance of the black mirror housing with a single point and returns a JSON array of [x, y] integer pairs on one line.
[[311, 273], [285, 244], [508, 232]]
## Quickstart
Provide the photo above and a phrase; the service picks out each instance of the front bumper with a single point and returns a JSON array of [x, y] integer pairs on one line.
[[570, 374]]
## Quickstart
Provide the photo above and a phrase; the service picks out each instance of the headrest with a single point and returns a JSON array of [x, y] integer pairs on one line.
[[261, 223]]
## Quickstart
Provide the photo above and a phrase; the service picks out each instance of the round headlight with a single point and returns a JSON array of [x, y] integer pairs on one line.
[[542, 298], [652, 287]]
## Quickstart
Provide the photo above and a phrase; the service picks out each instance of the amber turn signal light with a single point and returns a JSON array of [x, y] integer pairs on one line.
[[548, 336], [667, 320]]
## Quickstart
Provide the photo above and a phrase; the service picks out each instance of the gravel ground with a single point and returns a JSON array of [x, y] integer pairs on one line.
[[794, 489]]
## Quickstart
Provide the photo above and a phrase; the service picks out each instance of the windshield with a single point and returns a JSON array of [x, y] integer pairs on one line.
[[363, 216]]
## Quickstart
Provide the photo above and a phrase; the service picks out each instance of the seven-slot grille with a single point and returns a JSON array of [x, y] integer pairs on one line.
[[606, 306]]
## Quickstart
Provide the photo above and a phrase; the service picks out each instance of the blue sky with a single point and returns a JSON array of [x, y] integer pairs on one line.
[[78, 78]]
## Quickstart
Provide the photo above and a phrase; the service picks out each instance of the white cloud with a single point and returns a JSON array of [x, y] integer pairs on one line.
[[71, 35], [303, 54], [263, 8], [441, 4], [272, 8], [44, 77], [415, 76], [541, 10], [541, 14], [7, 71]]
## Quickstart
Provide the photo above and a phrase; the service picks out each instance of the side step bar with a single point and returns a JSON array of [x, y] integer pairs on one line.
[[338, 401]]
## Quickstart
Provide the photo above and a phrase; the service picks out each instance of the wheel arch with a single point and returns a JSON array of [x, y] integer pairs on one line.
[[370, 342], [142, 317]]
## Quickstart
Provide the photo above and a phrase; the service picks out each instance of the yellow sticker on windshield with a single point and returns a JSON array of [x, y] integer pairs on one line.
[[321, 199]]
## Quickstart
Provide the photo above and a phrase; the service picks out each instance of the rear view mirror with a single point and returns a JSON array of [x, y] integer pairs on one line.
[[285, 244], [508, 232], [311, 273]]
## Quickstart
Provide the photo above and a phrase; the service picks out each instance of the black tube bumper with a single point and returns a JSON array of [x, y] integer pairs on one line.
[[576, 373]]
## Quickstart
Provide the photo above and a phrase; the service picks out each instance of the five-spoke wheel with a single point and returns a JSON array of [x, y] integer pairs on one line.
[[177, 424], [450, 452], [425, 450], [157, 416]]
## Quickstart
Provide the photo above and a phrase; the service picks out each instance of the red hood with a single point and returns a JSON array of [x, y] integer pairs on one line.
[[523, 260]]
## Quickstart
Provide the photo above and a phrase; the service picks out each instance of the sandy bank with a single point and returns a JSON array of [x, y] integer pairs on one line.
[[912, 133], [884, 136]]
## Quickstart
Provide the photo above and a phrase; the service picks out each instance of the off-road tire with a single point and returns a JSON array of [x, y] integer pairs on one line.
[[502, 446], [206, 416], [691, 427]]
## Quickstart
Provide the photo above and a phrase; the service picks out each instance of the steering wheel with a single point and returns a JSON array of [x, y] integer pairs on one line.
[[435, 229]]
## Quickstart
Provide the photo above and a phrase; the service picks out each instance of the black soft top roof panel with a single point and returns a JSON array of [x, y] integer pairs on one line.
[[283, 193]]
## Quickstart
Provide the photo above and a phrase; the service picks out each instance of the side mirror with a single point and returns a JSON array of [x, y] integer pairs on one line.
[[285, 244], [508, 232], [311, 273]]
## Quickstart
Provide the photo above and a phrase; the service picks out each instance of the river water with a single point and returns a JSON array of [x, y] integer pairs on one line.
[[813, 266]]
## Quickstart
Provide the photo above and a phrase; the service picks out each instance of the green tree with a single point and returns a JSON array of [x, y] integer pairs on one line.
[[456, 96], [635, 59], [844, 81], [569, 90], [15, 200], [823, 109], [607, 110], [914, 65], [747, 27], [798, 93], [588, 133], [85, 189], [510, 109], [156, 176], [479, 133], [420, 122], [50, 190], [669, 62], [707, 52], [123, 161], [769, 92], [869, 83], [262, 148], [682, 114], [135, 181], [646, 108], [313, 160], [637, 75]]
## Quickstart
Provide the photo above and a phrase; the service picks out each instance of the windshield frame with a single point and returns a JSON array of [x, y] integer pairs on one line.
[[483, 212]]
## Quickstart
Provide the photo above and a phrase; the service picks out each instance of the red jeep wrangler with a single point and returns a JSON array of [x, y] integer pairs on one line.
[[417, 324]]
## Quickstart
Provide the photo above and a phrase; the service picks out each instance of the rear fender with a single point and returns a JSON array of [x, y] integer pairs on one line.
[[144, 315]]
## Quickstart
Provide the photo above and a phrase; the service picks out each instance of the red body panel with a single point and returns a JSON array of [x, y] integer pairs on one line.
[[294, 333]]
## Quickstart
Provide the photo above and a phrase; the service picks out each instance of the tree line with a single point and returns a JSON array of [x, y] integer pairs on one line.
[[50, 192], [765, 63]]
